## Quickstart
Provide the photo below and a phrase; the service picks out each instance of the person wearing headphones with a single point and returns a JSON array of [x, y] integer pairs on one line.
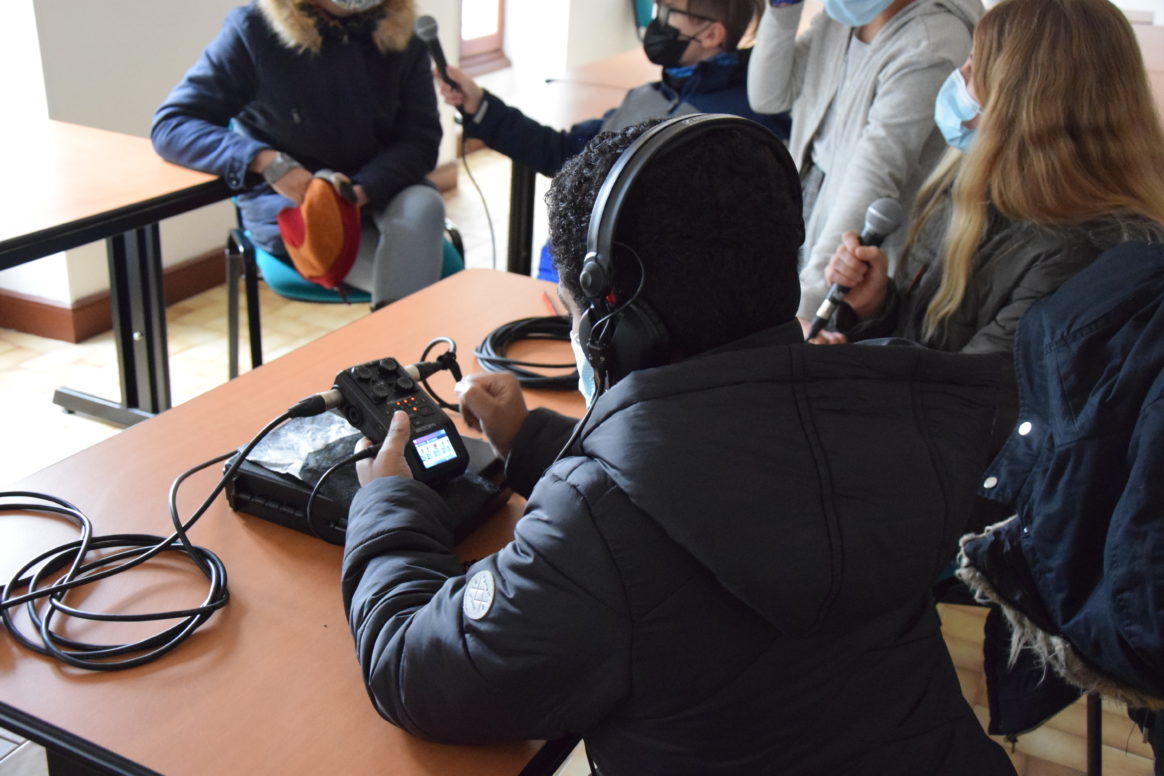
[[696, 42], [1051, 162], [860, 83], [715, 573], [293, 87]]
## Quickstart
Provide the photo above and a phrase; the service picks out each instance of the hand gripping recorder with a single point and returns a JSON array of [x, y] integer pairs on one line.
[[372, 392]]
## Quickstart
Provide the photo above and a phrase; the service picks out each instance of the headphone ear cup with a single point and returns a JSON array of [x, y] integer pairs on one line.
[[639, 340], [594, 279]]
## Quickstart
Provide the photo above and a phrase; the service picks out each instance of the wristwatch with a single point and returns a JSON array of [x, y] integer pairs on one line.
[[278, 167]]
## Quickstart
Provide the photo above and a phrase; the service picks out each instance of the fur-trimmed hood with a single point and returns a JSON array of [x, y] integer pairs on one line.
[[296, 28]]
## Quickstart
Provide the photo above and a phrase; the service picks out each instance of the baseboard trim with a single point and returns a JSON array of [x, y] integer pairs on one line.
[[90, 316]]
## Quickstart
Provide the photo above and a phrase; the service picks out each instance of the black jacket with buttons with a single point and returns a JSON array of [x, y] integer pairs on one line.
[[728, 573], [1080, 569]]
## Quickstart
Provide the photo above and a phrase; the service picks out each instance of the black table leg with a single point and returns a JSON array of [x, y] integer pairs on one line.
[[138, 304], [1094, 735], [521, 209]]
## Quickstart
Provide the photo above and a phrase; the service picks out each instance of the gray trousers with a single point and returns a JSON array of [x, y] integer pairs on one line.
[[400, 250]]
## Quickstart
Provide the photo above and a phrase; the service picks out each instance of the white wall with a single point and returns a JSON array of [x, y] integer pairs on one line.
[[23, 97], [544, 38], [597, 29]]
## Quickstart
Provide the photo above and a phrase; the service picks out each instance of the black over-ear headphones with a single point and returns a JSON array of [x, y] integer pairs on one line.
[[620, 336]]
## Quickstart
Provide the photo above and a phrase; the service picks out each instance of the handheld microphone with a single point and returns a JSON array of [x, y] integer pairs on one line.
[[426, 29], [881, 219], [576, 82]]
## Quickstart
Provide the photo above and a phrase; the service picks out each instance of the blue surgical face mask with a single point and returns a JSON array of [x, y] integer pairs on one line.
[[855, 13], [587, 385], [953, 108], [359, 6]]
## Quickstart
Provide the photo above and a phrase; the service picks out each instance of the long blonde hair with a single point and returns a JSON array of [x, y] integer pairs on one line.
[[1069, 130]]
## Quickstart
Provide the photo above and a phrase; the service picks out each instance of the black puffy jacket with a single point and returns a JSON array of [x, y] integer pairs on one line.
[[729, 573]]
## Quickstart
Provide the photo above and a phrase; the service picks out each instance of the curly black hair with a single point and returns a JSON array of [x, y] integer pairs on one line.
[[717, 225]]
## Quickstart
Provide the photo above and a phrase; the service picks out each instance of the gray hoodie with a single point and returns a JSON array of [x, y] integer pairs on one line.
[[883, 139]]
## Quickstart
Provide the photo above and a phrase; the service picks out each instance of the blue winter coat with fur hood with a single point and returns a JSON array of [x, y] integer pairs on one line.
[[357, 98]]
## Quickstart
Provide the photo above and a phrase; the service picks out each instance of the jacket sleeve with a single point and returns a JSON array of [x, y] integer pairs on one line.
[[899, 121], [1044, 277], [411, 152], [191, 127], [547, 655], [537, 445], [884, 324], [777, 66], [509, 131]]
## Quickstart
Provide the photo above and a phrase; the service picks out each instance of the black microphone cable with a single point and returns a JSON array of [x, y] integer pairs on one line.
[[425, 28], [491, 353], [446, 360], [600, 326], [481, 194], [308, 511], [44, 592]]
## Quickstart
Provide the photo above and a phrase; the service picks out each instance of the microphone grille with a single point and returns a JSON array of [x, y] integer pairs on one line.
[[425, 28], [884, 216]]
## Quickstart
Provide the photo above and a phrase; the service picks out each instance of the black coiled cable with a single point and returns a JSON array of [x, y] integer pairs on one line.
[[45, 600], [491, 352]]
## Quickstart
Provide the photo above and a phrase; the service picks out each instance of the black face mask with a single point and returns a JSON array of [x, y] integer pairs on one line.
[[663, 44]]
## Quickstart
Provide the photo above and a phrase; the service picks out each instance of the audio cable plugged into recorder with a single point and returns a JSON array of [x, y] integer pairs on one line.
[[42, 585]]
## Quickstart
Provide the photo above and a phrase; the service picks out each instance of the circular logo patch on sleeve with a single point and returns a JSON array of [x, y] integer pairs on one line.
[[478, 595]]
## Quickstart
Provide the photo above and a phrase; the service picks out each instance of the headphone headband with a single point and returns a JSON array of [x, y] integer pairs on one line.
[[597, 274]]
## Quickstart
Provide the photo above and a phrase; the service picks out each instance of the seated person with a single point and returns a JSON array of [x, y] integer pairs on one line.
[[1054, 160], [290, 87], [695, 41], [725, 567], [860, 83]]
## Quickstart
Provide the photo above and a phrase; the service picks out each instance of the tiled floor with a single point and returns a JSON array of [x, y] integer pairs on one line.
[[37, 433]]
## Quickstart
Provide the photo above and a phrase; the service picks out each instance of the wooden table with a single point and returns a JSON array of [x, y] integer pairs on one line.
[[582, 93], [271, 684], [69, 185]]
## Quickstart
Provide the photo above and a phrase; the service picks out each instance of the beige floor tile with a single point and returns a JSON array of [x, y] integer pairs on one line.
[[26, 760], [32, 342]]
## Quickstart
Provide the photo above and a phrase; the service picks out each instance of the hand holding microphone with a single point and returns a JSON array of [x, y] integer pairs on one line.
[[456, 88], [881, 219]]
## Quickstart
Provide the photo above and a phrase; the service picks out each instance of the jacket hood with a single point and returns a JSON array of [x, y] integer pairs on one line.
[[969, 11], [296, 27], [851, 468]]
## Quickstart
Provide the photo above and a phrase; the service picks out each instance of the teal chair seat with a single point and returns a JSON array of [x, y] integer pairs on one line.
[[247, 260], [286, 282]]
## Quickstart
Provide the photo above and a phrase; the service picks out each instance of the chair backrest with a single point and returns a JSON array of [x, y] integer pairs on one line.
[[643, 9]]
